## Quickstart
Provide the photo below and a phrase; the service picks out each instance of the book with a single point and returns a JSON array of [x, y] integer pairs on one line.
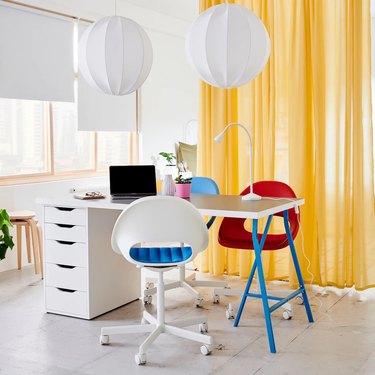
[[90, 195]]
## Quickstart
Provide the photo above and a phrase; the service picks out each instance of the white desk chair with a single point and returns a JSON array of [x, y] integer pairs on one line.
[[160, 220], [199, 185]]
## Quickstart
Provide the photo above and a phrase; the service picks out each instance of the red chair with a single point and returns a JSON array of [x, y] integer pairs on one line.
[[232, 234]]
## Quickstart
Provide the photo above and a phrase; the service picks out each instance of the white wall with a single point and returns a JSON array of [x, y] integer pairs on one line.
[[169, 98], [168, 101], [23, 197]]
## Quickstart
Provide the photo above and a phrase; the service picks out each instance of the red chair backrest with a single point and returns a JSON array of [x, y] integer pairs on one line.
[[233, 234], [277, 189]]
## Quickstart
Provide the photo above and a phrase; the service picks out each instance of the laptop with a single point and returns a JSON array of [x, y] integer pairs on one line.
[[129, 182]]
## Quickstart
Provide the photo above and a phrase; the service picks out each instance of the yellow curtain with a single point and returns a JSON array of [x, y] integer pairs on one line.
[[309, 114]]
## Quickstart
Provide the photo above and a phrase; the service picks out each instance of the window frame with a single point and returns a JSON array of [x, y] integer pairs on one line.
[[51, 174]]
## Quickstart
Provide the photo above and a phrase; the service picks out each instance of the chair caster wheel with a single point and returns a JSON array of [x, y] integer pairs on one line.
[[140, 359], [229, 314], [205, 350], [203, 327], [287, 314], [198, 302], [147, 300], [149, 285], [216, 299], [104, 340], [193, 276], [299, 300]]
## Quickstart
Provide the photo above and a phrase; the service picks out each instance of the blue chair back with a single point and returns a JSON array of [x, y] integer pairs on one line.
[[204, 185]]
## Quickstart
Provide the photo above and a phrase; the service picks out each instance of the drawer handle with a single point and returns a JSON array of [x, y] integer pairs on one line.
[[65, 225], [65, 266], [65, 208], [65, 242], [66, 290]]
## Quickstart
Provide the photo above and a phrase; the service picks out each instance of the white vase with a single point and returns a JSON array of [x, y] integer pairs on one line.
[[170, 169], [168, 185]]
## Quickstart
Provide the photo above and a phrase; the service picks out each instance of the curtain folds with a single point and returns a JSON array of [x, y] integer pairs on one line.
[[309, 114]]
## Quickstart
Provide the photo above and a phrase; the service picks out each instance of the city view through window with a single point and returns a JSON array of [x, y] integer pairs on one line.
[[30, 131]]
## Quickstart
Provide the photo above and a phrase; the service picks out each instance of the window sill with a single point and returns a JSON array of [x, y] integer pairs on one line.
[[47, 177]]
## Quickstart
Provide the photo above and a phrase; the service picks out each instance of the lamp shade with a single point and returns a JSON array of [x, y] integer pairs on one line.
[[115, 55], [227, 45]]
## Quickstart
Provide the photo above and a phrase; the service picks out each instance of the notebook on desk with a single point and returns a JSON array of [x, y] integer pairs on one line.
[[129, 182]]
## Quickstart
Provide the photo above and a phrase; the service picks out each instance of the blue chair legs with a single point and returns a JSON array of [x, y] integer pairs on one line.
[[253, 269], [297, 268], [263, 291]]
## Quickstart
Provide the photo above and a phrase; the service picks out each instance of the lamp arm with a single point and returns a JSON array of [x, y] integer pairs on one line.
[[251, 148]]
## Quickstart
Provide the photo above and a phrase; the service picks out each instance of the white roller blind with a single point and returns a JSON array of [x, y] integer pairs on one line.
[[36, 55], [101, 112]]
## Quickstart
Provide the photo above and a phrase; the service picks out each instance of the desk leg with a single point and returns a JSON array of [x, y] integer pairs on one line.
[[297, 267], [250, 280], [262, 285], [246, 291]]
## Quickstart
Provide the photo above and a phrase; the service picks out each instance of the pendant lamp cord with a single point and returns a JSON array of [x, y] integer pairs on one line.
[[115, 8]]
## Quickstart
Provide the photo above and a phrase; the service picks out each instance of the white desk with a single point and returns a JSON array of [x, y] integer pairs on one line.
[[234, 206], [84, 277], [210, 205]]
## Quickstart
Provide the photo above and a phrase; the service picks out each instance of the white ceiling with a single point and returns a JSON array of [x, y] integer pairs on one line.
[[182, 9], [186, 10]]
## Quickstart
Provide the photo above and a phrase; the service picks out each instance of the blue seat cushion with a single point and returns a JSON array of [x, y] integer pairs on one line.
[[157, 255]]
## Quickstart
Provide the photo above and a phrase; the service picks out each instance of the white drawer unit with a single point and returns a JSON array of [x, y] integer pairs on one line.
[[84, 277], [67, 277], [65, 232], [67, 253], [65, 215], [66, 301]]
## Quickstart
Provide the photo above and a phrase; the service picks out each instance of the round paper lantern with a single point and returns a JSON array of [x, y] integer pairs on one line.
[[115, 55], [227, 45]]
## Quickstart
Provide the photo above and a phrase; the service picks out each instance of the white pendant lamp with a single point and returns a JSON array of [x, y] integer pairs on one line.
[[115, 55], [227, 45]]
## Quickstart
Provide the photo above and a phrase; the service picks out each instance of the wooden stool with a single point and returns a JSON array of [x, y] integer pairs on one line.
[[27, 220]]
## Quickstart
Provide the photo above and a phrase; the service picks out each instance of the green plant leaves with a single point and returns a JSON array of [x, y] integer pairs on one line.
[[169, 156], [6, 240], [180, 180]]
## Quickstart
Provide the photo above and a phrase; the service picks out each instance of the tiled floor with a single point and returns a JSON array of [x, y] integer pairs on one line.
[[341, 341]]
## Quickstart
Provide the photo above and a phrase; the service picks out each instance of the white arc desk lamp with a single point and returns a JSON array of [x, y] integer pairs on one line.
[[251, 196]]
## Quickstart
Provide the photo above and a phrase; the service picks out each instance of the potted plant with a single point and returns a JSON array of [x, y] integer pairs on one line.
[[169, 157], [182, 186], [6, 240], [169, 167]]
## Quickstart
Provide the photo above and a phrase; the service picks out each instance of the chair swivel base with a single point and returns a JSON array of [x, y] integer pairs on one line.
[[150, 324], [230, 312], [158, 325], [188, 283]]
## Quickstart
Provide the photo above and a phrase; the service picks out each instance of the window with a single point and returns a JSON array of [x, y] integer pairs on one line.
[[72, 149], [23, 137], [41, 140], [112, 149]]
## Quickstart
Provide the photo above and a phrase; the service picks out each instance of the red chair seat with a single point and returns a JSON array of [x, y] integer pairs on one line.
[[232, 233], [235, 236]]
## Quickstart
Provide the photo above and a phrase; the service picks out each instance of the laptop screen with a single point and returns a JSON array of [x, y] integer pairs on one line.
[[129, 180]]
